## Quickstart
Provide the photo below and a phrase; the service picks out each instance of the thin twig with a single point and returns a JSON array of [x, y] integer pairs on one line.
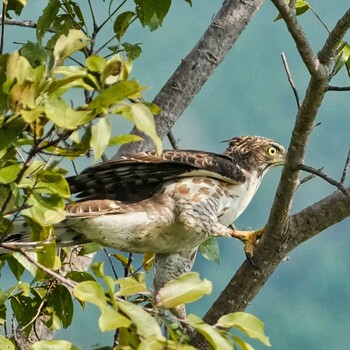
[[291, 82], [338, 88], [309, 177], [325, 177], [22, 23], [4, 4], [127, 266], [50, 272], [319, 18], [346, 167], [110, 263], [172, 140]]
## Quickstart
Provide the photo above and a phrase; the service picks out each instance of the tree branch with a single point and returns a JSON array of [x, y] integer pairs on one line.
[[196, 68], [282, 233]]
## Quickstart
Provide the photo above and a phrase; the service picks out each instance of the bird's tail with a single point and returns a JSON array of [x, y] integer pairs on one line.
[[19, 237]]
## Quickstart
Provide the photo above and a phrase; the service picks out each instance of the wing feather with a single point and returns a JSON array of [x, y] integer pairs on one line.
[[139, 176]]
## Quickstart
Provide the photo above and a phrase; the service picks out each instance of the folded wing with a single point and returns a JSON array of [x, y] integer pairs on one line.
[[134, 178]]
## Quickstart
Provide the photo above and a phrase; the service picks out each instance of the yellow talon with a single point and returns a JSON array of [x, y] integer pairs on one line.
[[250, 239]]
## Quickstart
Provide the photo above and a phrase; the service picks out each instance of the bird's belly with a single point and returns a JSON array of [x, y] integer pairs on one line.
[[137, 233]]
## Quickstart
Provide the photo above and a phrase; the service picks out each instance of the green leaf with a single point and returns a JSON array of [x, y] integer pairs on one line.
[[301, 7], [89, 248], [210, 249], [125, 261], [133, 51], [25, 263], [34, 53], [53, 345], [80, 276], [92, 292], [146, 325], [144, 121], [4, 295], [45, 20], [15, 5], [52, 182], [111, 320], [121, 139], [184, 289], [114, 94], [122, 22], [16, 268], [64, 116], [342, 58], [66, 45], [6, 344], [95, 63], [214, 337], [100, 136], [9, 173], [152, 12], [10, 131], [98, 268], [244, 345], [61, 304], [247, 323], [134, 284]]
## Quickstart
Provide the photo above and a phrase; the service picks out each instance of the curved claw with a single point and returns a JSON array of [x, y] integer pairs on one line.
[[249, 258]]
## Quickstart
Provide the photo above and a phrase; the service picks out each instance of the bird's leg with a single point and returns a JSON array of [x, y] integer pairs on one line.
[[249, 239]]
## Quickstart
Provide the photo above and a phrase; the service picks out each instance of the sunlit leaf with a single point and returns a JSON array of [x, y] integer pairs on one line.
[[342, 58], [121, 139], [125, 261], [100, 136], [64, 116], [144, 121], [111, 320], [96, 63], [92, 292], [134, 284], [147, 261], [9, 173], [247, 323], [115, 93], [301, 6], [214, 337], [66, 45], [25, 263], [184, 289], [6, 344], [146, 325], [53, 345]]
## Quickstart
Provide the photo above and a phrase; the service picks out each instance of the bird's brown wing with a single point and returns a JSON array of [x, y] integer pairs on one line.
[[137, 177]]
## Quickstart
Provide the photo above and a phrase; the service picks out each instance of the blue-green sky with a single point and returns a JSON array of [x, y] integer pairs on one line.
[[305, 304]]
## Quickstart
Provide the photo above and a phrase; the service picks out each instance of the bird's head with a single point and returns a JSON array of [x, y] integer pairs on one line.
[[256, 153]]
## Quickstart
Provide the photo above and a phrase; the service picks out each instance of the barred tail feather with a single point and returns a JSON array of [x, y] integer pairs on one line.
[[20, 238]]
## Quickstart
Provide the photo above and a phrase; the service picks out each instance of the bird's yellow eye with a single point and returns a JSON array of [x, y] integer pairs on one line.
[[272, 151]]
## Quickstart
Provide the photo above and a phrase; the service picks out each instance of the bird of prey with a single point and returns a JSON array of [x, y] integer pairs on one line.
[[167, 204]]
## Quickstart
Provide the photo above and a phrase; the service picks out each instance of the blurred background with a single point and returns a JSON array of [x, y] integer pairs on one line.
[[306, 303]]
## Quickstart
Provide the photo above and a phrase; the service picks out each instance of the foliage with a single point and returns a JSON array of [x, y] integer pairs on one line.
[[39, 127]]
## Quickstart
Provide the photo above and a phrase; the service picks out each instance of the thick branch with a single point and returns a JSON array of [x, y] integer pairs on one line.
[[248, 280], [304, 48], [282, 232], [197, 67]]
